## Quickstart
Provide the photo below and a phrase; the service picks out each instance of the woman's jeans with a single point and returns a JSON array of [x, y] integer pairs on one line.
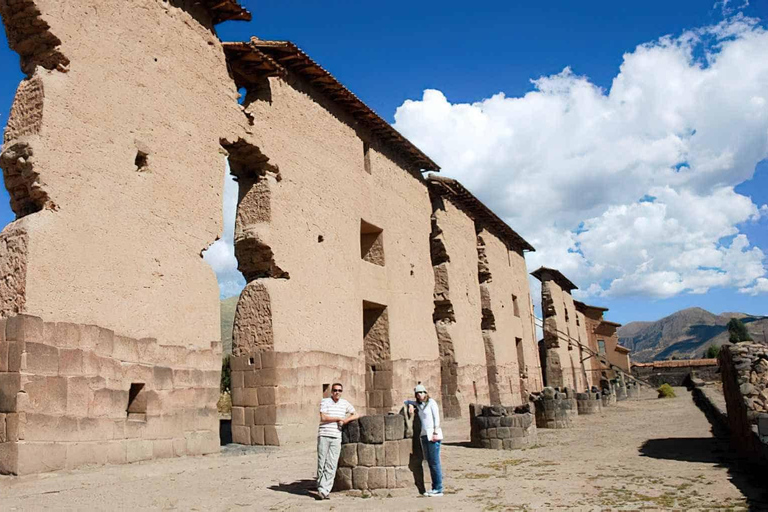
[[432, 452]]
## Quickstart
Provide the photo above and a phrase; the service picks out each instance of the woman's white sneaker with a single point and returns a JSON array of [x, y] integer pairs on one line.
[[435, 494]]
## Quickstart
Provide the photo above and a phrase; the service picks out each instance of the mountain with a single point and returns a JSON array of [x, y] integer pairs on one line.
[[227, 321], [685, 334]]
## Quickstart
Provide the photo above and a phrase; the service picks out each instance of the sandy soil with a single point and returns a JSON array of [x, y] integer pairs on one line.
[[649, 454]]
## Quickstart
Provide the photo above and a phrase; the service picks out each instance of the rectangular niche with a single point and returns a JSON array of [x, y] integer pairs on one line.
[[378, 359], [371, 243], [137, 402]]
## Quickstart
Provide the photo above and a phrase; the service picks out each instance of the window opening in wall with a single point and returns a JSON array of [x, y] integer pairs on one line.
[[367, 157], [520, 355], [566, 311], [515, 306], [137, 402], [378, 362], [141, 161], [601, 347], [371, 243], [326, 390]]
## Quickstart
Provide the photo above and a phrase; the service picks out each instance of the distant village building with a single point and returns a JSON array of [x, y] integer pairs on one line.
[[603, 339]]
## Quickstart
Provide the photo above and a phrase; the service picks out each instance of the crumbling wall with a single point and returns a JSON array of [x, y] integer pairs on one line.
[[563, 367], [458, 312], [744, 371], [109, 241], [319, 203], [502, 283]]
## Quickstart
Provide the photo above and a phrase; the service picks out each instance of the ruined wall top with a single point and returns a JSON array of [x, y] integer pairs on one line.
[[477, 210], [547, 274], [253, 61]]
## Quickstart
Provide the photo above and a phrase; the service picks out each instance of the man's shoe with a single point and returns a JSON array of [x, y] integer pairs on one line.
[[325, 496], [435, 494], [427, 493]]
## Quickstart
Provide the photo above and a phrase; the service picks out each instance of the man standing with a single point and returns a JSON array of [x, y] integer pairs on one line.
[[334, 413]]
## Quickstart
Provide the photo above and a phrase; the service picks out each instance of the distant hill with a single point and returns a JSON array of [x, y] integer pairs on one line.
[[227, 321], [685, 334]]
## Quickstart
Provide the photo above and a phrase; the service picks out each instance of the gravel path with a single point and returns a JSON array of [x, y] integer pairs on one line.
[[651, 454]]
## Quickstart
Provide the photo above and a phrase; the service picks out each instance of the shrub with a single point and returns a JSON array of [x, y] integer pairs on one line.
[[712, 352], [666, 391], [737, 331], [226, 375]]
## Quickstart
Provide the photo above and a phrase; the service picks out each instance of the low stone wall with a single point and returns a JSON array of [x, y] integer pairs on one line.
[[73, 395], [376, 454], [589, 403], [555, 409], [502, 428], [676, 373], [744, 370]]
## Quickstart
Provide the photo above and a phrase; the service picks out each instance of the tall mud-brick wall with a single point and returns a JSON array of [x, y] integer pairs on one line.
[[111, 157], [339, 275]]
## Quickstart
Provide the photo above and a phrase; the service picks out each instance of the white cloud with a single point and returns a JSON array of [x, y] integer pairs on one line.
[[221, 254], [760, 286], [628, 191]]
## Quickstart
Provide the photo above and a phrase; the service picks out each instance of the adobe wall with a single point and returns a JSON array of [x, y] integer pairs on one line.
[[458, 314], [593, 365], [105, 235], [298, 235], [66, 397], [560, 338], [505, 280], [607, 333]]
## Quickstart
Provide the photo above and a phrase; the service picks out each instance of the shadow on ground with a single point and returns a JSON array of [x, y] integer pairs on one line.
[[713, 450], [304, 487]]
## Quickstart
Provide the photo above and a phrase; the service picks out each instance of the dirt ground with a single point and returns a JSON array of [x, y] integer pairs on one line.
[[646, 454]]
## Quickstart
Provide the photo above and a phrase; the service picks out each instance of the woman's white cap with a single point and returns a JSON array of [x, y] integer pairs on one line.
[[419, 389]]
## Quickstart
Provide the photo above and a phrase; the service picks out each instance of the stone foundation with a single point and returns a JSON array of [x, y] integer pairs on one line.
[[555, 409], [375, 454], [73, 395], [502, 427], [589, 403]]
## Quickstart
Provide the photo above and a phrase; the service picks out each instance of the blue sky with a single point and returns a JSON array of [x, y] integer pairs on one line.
[[390, 53]]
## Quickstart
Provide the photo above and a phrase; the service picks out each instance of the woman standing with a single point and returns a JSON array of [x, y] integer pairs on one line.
[[431, 436]]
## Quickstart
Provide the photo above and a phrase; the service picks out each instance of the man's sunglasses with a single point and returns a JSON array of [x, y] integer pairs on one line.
[[337, 391]]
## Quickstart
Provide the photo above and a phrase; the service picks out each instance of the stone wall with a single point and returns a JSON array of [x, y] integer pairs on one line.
[[556, 409], [73, 395], [589, 403], [502, 427], [676, 373], [744, 371], [376, 454]]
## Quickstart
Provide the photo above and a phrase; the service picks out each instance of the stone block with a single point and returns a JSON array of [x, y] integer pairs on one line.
[[9, 457], [3, 356], [110, 403], [249, 415], [268, 359], [138, 449], [238, 396], [497, 444], [16, 356], [394, 427], [257, 435], [42, 359], [24, 328], [492, 433], [350, 433], [404, 477], [248, 397], [343, 480], [507, 421], [380, 455], [95, 429], [238, 416], [377, 478], [70, 361], [10, 385], [493, 421], [372, 429], [502, 432], [91, 363], [236, 379], [267, 395], [392, 453], [405, 447], [106, 342], [162, 377], [271, 437], [126, 350], [481, 422], [15, 426], [40, 457], [47, 395], [241, 434], [366, 454], [375, 399], [265, 415], [84, 454], [348, 456], [80, 395], [382, 380], [162, 448], [391, 478], [360, 478], [3, 434]]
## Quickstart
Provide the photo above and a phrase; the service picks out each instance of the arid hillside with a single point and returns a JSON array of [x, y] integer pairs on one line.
[[685, 334]]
